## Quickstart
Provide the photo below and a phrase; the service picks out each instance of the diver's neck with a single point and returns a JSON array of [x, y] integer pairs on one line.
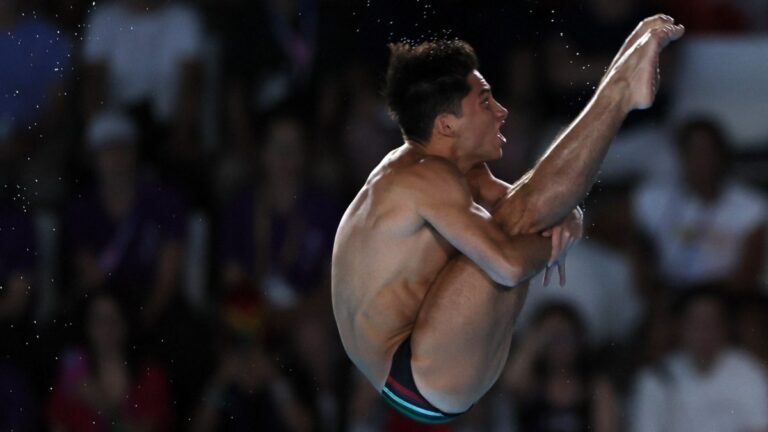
[[444, 150]]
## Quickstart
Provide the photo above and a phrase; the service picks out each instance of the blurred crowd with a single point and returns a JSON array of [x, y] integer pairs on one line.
[[172, 174]]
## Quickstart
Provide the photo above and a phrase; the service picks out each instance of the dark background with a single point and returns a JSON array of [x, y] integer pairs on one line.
[[172, 174]]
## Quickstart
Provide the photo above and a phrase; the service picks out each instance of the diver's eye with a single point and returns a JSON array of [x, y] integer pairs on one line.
[[486, 101]]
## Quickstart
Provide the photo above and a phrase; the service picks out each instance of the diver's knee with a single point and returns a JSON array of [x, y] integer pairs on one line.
[[449, 391]]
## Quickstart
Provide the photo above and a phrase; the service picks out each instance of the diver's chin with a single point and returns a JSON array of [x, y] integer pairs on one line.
[[495, 156]]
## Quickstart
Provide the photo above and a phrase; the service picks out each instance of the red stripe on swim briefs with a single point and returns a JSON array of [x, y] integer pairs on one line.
[[405, 391]]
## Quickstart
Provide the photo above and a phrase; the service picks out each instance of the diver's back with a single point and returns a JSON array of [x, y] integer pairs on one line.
[[384, 260]]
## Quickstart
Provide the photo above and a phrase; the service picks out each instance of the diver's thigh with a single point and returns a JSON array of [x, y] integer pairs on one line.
[[462, 335]]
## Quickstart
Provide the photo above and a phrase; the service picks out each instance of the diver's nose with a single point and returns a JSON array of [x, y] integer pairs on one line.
[[502, 112]]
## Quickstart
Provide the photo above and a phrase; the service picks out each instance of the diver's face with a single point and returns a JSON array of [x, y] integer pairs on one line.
[[480, 121]]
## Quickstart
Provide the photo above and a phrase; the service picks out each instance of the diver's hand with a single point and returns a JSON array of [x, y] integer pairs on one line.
[[564, 235]]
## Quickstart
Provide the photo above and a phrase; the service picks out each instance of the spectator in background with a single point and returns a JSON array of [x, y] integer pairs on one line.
[[553, 381], [369, 131], [709, 227], [269, 50], [600, 284], [33, 118], [18, 256], [20, 362], [707, 384], [752, 325], [336, 122], [655, 339], [268, 58], [145, 56], [248, 392], [276, 235], [127, 232], [19, 408], [276, 241], [102, 385]]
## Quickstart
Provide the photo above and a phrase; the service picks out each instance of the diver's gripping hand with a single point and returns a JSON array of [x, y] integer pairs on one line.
[[635, 69]]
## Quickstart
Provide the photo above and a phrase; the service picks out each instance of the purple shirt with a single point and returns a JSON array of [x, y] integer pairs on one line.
[[127, 249], [318, 215]]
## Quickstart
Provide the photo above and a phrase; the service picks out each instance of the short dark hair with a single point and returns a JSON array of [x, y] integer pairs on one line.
[[715, 292], [709, 126], [426, 80], [563, 309]]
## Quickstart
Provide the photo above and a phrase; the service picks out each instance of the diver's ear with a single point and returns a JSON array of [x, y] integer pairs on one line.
[[445, 124]]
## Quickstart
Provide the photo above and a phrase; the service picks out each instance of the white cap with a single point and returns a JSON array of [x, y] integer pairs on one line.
[[108, 127]]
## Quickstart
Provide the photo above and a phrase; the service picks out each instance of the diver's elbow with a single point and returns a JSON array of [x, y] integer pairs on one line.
[[510, 275]]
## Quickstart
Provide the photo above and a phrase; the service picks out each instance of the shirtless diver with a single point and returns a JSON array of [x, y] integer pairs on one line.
[[426, 283]]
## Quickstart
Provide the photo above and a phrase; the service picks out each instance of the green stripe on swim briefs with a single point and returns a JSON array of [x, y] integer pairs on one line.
[[413, 415], [408, 410], [411, 406]]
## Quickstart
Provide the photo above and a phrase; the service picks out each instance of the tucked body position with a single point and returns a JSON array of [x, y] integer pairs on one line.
[[432, 257]]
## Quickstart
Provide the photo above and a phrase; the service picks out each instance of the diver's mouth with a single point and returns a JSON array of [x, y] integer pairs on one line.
[[501, 137]]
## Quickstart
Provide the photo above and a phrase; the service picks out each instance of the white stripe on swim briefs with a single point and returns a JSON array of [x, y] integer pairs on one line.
[[411, 406]]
